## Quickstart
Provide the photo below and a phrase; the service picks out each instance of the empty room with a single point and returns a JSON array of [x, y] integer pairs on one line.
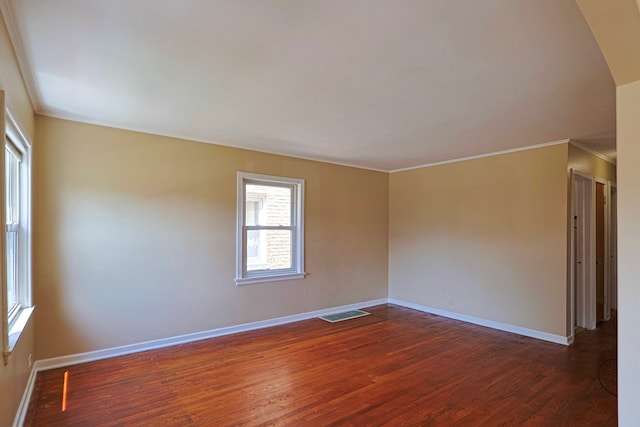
[[313, 213]]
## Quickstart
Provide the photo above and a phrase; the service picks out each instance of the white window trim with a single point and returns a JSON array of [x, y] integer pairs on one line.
[[11, 331], [297, 220]]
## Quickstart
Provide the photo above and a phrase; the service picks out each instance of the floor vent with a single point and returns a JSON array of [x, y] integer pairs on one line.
[[339, 317]]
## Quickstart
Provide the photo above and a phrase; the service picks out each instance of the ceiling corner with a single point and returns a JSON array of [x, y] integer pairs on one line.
[[616, 28], [24, 65]]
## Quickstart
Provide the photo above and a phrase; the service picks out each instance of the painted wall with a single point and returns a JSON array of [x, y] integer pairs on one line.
[[13, 377], [628, 141], [488, 234], [135, 238]]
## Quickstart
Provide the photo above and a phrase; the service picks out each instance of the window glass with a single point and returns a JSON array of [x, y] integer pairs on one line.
[[12, 212], [268, 205]]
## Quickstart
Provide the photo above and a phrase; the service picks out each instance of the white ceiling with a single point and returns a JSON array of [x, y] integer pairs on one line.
[[381, 84]]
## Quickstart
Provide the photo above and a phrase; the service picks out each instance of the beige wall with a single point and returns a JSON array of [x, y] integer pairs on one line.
[[13, 377], [585, 162], [488, 233], [135, 238], [628, 107]]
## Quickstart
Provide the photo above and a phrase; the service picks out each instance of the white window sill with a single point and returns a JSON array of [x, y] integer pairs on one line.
[[16, 329], [270, 278]]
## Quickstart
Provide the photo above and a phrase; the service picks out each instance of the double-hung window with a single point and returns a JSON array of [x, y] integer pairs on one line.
[[270, 232], [12, 161], [16, 239]]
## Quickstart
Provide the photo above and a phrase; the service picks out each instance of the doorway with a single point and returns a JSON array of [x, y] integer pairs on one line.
[[613, 250], [593, 287], [583, 284], [602, 298]]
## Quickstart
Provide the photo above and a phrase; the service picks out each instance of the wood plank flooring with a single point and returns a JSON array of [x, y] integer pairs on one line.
[[396, 367]]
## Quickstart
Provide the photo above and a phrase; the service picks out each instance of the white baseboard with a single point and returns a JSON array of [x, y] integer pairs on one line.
[[57, 362], [74, 359], [532, 333], [26, 397]]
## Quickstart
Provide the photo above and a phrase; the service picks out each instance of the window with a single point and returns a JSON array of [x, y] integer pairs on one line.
[[12, 160], [16, 242], [270, 230]]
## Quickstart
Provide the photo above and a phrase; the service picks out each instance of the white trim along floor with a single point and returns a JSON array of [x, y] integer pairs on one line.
[[57, 362]]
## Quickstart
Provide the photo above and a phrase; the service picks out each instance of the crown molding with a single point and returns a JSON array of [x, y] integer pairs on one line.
[[479, 156], [77, 119], [24, 65], [592, 151]]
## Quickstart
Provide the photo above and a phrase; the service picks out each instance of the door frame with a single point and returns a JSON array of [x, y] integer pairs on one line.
[[607, 236], [613, 247], [587, 292]]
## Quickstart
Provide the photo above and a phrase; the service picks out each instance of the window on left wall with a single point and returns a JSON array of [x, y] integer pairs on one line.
[[12, 162], [16, 241]]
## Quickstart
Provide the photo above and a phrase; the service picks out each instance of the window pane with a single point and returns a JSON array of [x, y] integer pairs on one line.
[[268, 205], [11, 187], [12, 279], [253, 244], [268, 249], [253, 210], [12, 219]]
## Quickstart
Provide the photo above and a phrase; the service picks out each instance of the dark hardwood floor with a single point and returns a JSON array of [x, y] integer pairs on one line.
[[396, 367]]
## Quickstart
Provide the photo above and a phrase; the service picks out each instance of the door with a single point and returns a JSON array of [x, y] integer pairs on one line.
[[583, 251]]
